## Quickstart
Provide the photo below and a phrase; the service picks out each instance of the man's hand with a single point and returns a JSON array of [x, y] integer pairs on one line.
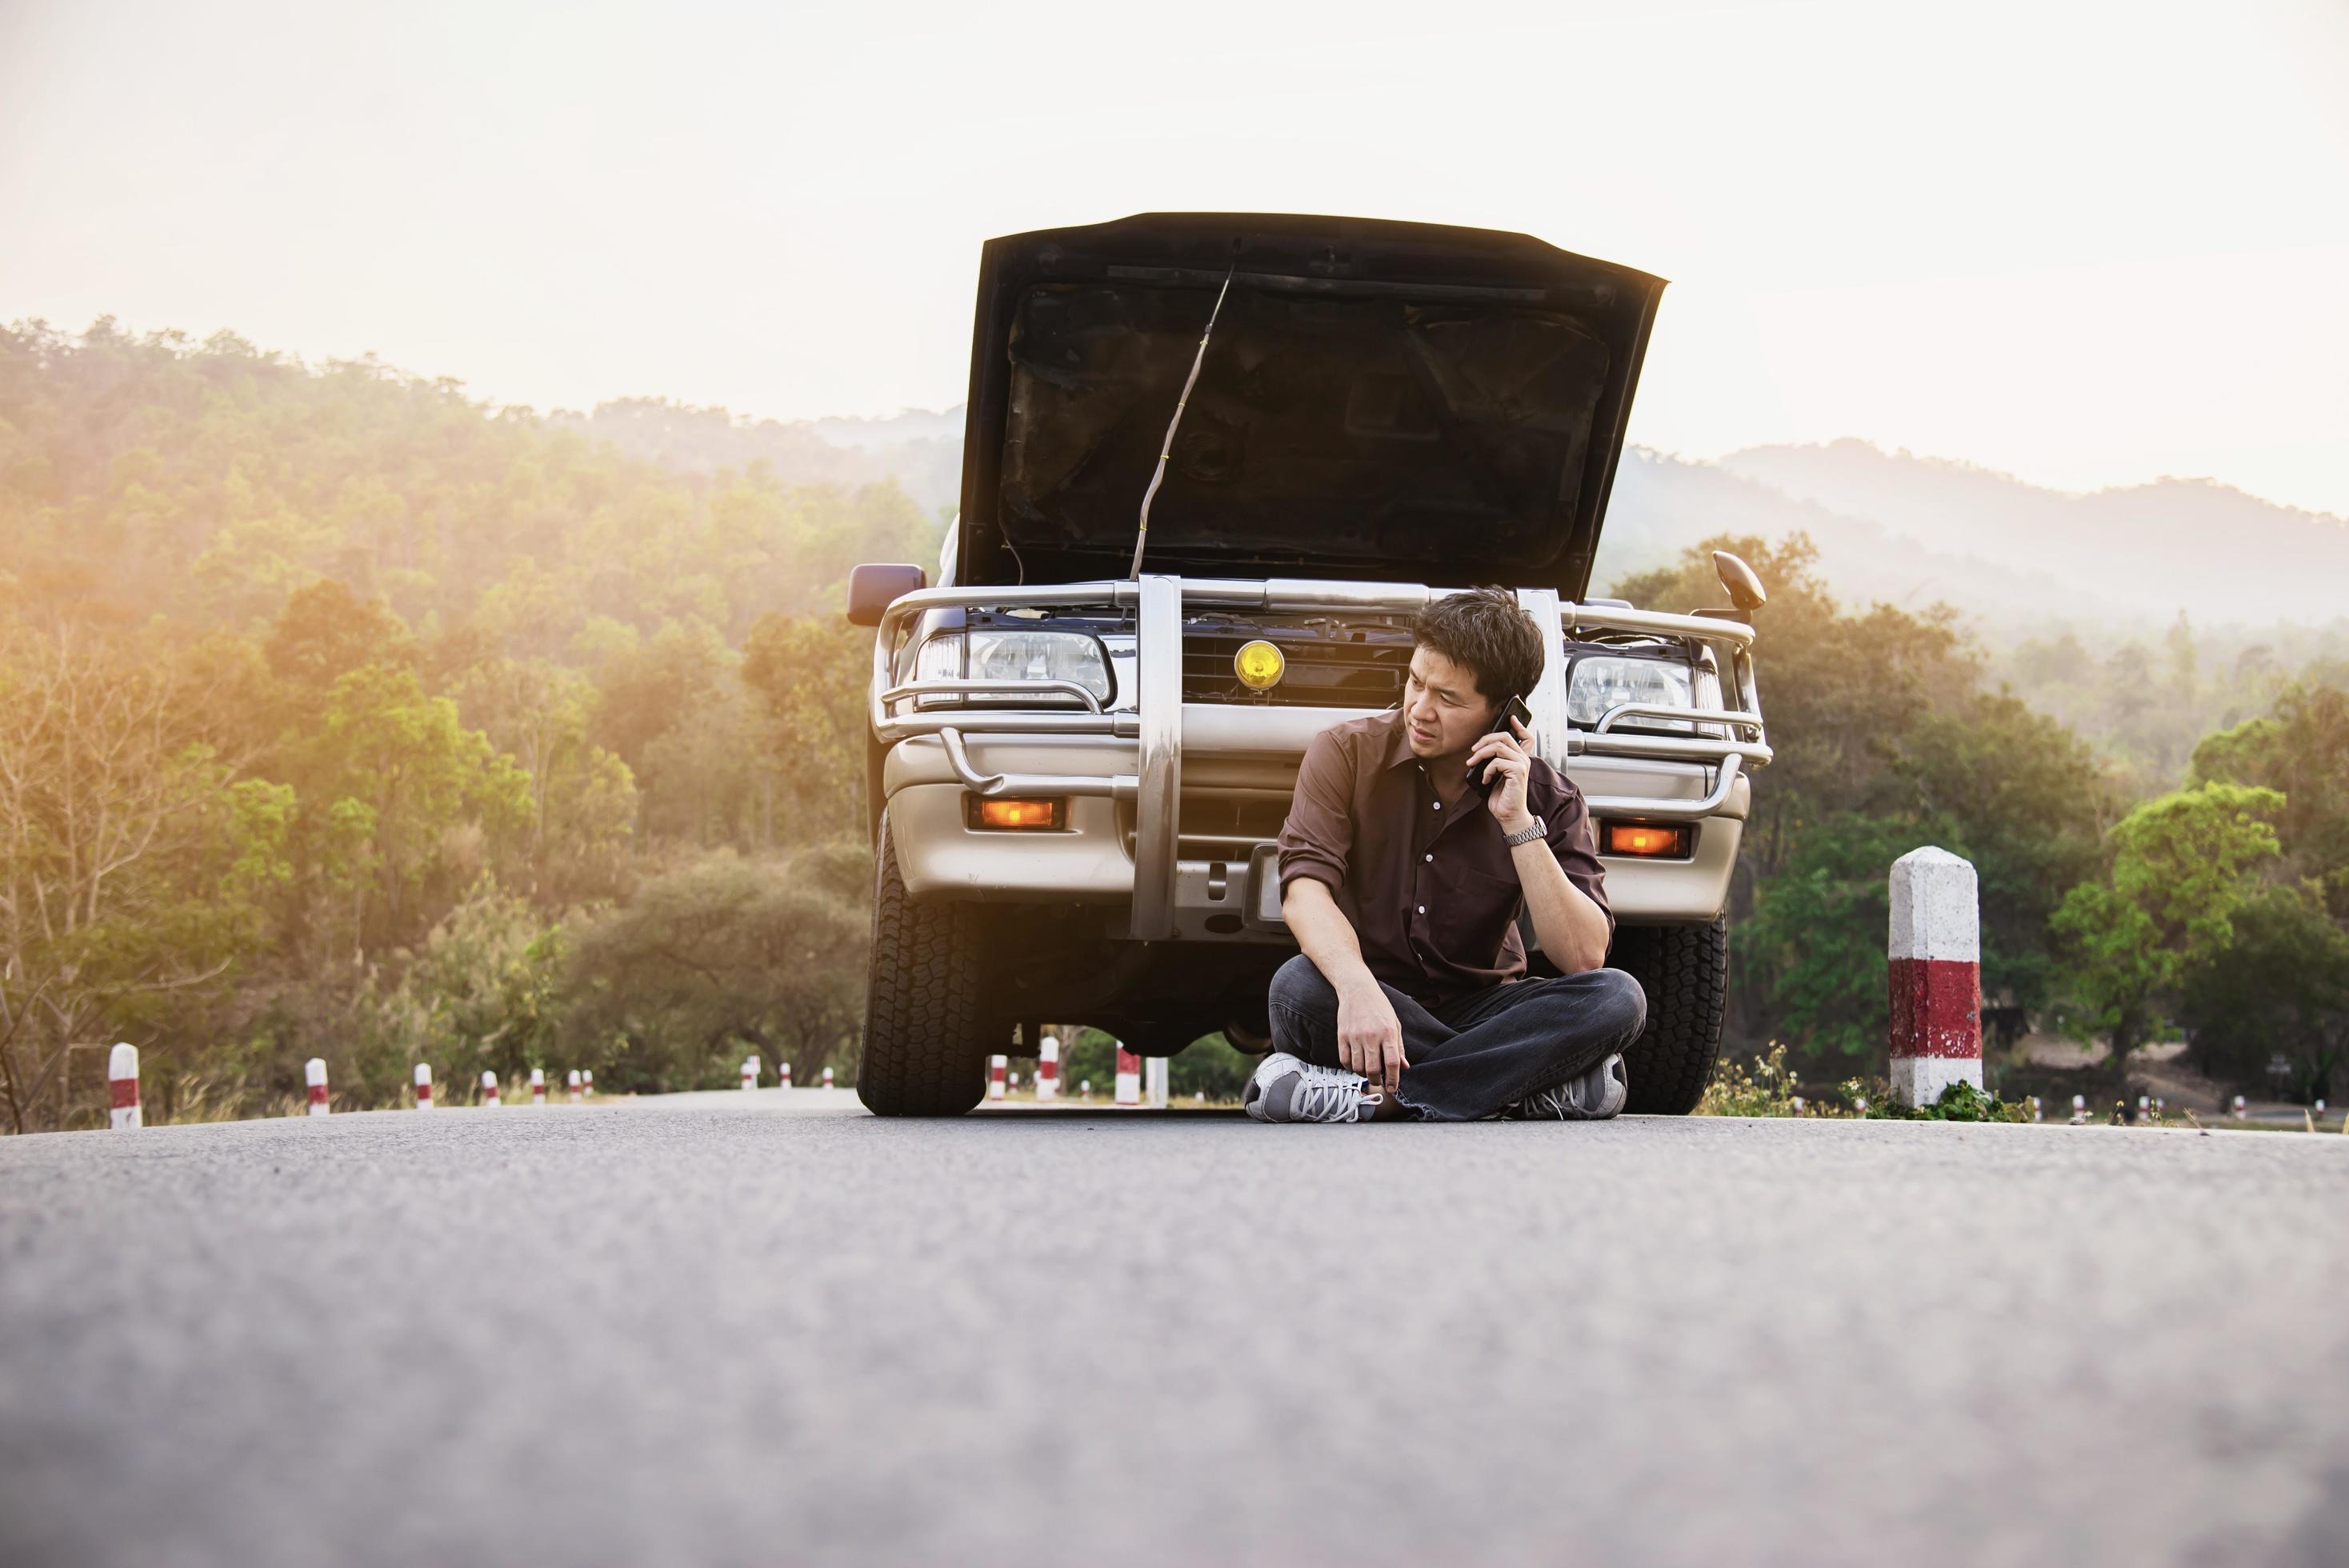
[[1509, 765], [1369, 1036]]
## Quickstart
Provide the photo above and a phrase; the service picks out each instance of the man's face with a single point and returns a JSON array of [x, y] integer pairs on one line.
[[1443, 711]]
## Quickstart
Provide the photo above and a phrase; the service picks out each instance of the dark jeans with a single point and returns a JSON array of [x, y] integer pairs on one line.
[[1468, 1057]]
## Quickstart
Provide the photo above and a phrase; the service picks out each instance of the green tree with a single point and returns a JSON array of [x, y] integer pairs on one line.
[[2181, 866], [2280, 988], [390, 776], [720, 957], [2302, 749], [131, 857], [809, 675]]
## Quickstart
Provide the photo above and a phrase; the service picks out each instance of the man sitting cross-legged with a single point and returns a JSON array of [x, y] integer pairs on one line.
[[1402, 889]]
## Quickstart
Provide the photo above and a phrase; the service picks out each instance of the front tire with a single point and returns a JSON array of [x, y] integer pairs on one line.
[[923, 1053], [1685, 970]]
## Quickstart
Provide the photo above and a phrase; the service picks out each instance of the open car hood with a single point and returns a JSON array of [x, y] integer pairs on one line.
[[1380, 401]]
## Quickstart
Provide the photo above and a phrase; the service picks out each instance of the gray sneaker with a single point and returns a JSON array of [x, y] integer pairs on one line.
[[1289, 1089], [1594, 1097]]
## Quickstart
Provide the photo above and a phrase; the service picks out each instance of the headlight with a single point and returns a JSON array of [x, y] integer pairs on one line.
[[1016, 655], [1601, 684]]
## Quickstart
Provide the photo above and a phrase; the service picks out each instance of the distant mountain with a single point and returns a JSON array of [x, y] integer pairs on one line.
[[2156, 548], [2016, 560], [1663, 504], [921, 450]]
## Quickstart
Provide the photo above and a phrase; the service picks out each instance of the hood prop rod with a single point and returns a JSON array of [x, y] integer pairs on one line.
[[1158, 475]]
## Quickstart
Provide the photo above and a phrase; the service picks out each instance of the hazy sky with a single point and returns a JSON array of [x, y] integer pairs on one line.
[[2089, 243]]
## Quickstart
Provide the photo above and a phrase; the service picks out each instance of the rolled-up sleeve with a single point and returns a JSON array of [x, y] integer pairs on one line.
[[1573, 841], [1318, 833]]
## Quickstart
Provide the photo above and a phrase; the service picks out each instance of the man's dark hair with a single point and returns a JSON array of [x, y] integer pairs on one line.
[[1488, 631]]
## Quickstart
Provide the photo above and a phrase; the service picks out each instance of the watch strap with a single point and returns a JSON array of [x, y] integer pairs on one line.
[[1536, 829]]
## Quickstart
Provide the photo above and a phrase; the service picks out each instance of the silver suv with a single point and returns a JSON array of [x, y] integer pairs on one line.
[[1084, 739]]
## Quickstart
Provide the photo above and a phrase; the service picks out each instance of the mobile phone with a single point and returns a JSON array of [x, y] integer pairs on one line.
[[1514, 708]]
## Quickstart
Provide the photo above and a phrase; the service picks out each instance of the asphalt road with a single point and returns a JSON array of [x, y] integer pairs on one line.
[[692, 1333]]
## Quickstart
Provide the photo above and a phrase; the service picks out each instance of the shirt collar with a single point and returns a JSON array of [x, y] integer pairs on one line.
[[1398, 748]]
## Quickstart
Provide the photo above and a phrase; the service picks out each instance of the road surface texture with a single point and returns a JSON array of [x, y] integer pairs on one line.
[[690, 1333]]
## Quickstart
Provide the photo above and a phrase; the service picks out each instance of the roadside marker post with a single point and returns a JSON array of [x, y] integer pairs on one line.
[[1015, 1080], [538, 1086], [2144, 1107], [2034, 1108], [489, 1089], [749, 1073], [1935, 952], [1129, 1078], [1048, 1068], [2079, 1108], [995, 1070], [122, 1088], [1085, 1091], [2239, 1108], [314, 1074], [587, 1081], [1154, 1082], [424, 1086], [784, 1074], [827, 1077], [571, 1083]]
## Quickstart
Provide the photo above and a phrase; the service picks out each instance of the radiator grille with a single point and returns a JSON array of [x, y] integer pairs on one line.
[[1323, 671]]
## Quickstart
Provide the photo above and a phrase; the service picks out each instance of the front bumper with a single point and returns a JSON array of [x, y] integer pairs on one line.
[[1173, 805]]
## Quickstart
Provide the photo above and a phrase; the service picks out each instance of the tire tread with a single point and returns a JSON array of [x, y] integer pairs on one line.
[[1685, 969], [921, 1002]]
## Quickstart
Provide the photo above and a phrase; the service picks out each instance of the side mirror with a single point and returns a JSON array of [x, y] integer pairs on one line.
[[874, 586], [1746, 589]]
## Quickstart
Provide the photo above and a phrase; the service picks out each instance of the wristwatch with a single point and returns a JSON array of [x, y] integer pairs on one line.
[[1539, 830]]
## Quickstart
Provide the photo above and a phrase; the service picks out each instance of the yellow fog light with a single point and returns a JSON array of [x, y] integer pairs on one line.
[[1259, 665]]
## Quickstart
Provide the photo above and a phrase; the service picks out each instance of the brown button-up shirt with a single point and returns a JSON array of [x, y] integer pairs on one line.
[[1430, 888]]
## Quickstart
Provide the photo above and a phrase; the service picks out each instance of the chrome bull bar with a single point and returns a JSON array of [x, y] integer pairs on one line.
[[1159, 601]]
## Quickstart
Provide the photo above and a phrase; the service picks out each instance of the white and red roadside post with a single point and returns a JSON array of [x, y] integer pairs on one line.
[[749, 1073], [314, 1074], [122, 1088], [2079, 1109], [783, 1073], [538, 1086], [1935, 949], [571, 1082], [2238, 1108], [587, 1081], [1048, 1068], [424, 1086], [489, 1089], [827, 1077], [1085, 1091], [996, 1068], [1129, 1078]]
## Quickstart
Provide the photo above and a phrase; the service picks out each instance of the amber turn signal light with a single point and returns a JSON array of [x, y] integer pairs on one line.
[[1000, 814], [1655, 843]]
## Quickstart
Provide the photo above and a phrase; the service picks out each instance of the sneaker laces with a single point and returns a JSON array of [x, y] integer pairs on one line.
[[1322, 1090]]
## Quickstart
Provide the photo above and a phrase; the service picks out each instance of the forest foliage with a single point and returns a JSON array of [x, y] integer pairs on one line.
[[341, 716], [344, 716]]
